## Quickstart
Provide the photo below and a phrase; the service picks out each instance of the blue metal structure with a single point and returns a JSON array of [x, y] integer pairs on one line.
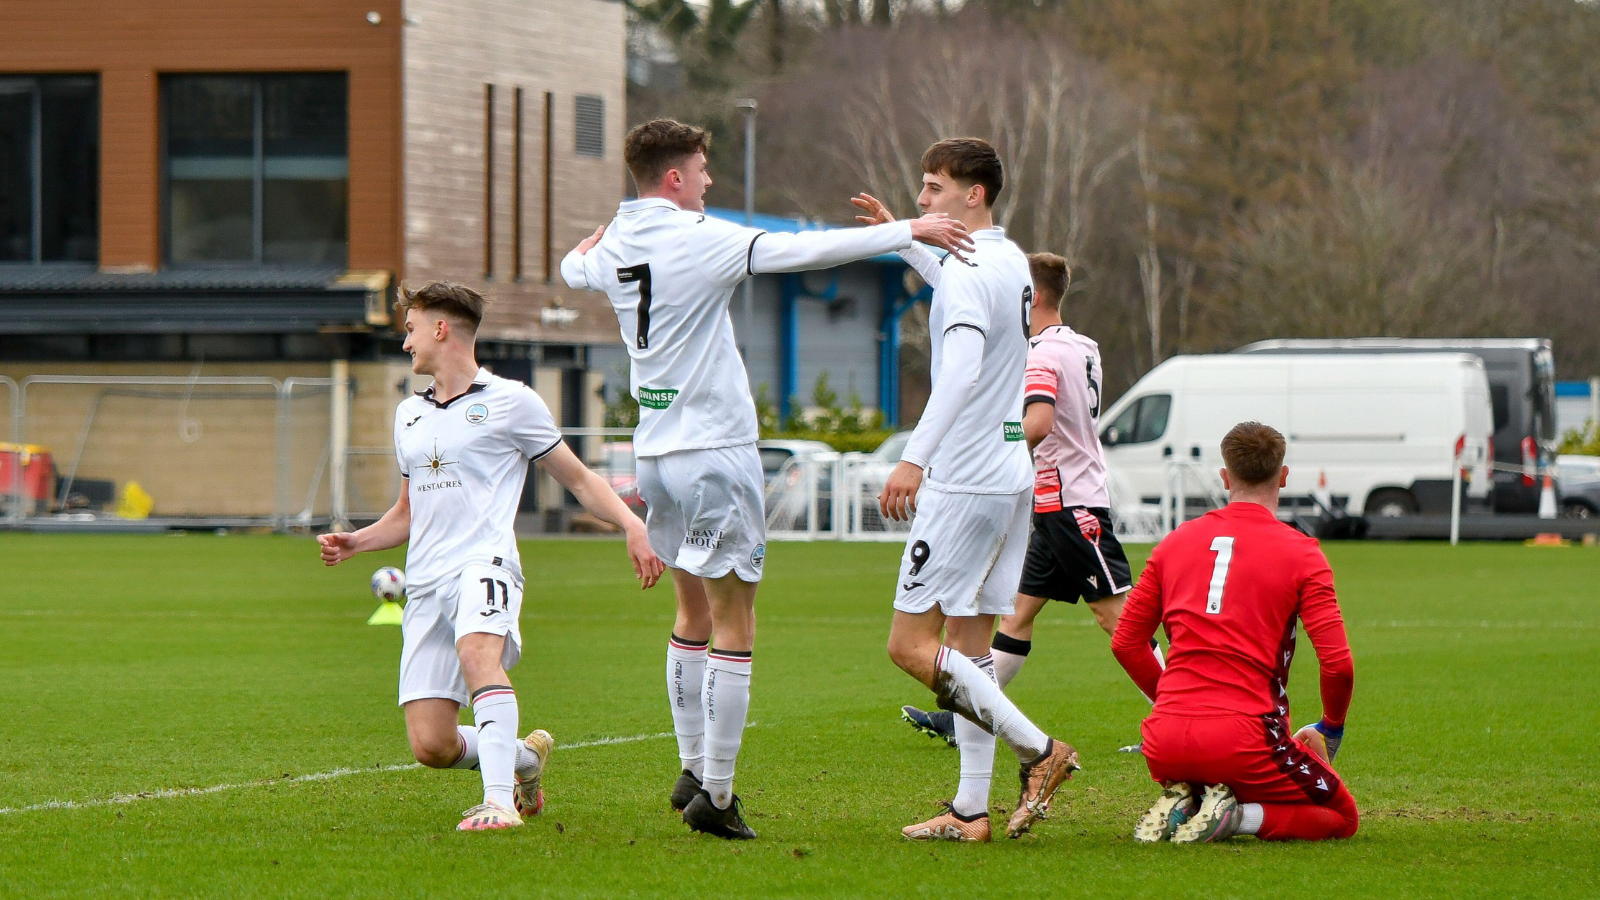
[[894, 302]]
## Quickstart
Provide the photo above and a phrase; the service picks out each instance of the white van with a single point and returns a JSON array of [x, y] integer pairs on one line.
[[1382, 428]]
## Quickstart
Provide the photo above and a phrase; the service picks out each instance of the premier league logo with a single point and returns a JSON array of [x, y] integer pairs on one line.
[[476, 413]]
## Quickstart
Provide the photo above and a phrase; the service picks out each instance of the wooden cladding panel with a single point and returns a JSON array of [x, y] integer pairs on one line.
[[132, 42]]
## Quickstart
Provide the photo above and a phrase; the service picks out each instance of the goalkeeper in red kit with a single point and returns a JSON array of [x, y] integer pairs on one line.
[[1230, 589]]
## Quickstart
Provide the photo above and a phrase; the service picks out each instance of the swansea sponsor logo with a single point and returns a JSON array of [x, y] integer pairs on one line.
[[657, 398]]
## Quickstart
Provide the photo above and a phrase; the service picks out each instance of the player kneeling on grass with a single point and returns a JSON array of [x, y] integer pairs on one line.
[[463, 446], [1228, 588]]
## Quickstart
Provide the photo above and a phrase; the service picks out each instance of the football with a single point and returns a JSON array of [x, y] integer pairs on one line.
[[389, 584]]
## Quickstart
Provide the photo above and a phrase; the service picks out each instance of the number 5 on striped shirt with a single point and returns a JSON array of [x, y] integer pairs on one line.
[[1223, 547]]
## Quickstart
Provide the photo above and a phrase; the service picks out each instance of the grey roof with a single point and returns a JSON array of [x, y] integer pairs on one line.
[[83, 300], [74, 278]]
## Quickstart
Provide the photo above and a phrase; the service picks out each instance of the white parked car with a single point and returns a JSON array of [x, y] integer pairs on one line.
[[1382, 429]]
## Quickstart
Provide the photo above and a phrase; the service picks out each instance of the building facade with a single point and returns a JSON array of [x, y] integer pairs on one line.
[[230, 189]]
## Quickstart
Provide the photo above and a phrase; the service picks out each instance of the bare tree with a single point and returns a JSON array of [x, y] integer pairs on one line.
[[1149, 254]]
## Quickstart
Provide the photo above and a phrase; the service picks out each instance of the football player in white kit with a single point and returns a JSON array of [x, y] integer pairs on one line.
[[1073, 553], [669, 271], [463, 446], [965, 474]]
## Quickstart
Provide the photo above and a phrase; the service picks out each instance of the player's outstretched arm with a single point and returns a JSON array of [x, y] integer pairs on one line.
[[808, 250], [874, 212], [573, 266], [390, 531], [598, 498]]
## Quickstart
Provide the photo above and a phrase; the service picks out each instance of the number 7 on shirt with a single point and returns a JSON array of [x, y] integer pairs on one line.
[[1223, 547]]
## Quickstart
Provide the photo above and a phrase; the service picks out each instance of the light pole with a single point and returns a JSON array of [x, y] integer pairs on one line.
[[748, 107]]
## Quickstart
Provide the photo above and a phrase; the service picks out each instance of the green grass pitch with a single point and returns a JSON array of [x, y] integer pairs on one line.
[[141, 664]]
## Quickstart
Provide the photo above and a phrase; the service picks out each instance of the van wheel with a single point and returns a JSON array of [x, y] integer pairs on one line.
[[1577, 509], [1391, 503]]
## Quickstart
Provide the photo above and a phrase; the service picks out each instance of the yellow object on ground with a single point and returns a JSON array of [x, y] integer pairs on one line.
[[387, 613], [1547, 540], [135, 502]]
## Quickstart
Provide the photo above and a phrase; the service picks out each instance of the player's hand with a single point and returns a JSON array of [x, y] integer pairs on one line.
[[939, 230], [337, 547], [587, 244], [899, 497], [647, 567], [1331, 736], [872, 209]]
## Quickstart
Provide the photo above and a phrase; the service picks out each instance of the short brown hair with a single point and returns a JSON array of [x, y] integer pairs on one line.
[[1051, 275], [1253, 453], [652, 149], [457, 301], [969, 160]]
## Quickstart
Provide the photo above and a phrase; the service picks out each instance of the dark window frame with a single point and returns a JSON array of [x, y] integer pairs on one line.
[[258, 242], [36, 214]]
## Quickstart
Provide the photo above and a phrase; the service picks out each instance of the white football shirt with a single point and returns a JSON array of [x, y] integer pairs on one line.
[[466, 460], [983, 452], [670, 274]]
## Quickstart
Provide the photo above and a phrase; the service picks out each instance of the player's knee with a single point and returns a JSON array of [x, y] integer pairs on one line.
[[906, 652], [1352, 817], [435, 752], [1107, 612]]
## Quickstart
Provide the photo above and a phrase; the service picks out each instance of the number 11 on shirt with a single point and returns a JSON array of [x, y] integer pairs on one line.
[[1223, 547]]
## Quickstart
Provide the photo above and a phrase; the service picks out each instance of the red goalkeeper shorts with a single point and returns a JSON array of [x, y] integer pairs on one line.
[[1263, 763]]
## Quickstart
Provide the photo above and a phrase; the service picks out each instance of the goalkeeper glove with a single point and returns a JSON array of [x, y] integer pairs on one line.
[[1332, 736]]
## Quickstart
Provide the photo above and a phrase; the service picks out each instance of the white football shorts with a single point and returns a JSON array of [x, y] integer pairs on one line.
[[705, 510], [483, 599], [964, 553]]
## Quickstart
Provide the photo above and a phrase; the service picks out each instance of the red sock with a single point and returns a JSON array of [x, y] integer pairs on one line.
[[1310, 822]]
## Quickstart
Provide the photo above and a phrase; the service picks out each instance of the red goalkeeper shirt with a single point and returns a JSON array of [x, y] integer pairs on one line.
[[1228, 588]]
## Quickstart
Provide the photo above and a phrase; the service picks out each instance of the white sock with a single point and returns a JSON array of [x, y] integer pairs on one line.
[[494, 708], [469, 748], [977, 757], [686, 678], [1009, 654], [528, 761], [1251, 823], [727, 703], [967, 690]]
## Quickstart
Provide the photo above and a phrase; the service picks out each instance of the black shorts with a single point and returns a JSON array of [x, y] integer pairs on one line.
[[1073, 553]]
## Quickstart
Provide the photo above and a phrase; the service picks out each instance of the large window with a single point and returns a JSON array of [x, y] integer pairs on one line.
[[1142, 421], [257, 169], [49, 169]]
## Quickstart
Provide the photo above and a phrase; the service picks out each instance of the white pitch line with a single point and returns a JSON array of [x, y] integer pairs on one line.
[[122, 799]]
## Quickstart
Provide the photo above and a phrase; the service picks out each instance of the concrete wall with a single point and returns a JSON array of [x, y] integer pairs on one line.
[[452, 48]]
